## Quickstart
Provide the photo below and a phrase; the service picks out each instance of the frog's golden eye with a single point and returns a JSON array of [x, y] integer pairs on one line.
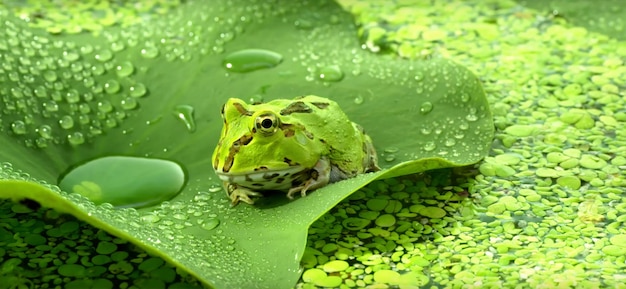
[[267, 123]]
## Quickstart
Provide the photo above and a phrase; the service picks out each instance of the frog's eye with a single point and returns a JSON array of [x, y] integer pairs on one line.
[[267, 123]]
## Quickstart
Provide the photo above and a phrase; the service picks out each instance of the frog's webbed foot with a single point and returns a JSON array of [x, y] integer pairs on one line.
[[237, 194], [319, 176]]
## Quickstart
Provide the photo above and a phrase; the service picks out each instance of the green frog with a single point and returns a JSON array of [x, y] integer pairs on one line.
[[289, 145]]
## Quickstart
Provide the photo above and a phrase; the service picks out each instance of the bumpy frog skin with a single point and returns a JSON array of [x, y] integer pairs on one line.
[[293, 146]]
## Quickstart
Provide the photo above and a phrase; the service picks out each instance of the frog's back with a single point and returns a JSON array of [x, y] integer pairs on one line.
[[350, 150]]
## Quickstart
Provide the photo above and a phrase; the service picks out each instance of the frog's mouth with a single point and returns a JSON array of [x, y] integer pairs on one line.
[[266, 179]]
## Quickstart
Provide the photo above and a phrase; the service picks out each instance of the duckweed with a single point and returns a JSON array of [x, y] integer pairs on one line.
[[547, 206]]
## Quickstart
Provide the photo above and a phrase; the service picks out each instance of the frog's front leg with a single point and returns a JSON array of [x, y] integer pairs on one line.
[[237, 193], [319, 176]]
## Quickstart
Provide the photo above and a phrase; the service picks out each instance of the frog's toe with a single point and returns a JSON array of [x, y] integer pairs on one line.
[[293, 191], [239, 194], [243, 196]]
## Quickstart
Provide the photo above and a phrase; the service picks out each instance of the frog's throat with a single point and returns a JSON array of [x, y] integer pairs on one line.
[[264, 179]]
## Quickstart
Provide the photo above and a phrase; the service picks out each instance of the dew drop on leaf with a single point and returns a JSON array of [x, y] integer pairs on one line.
[[112, 86], [128, 103], [45, 131], [185, 114], [66, 122], [390, 158], [50, 76], [471, 117], [103, 55], [125, 181], [330, 73], [450, 142], [358, 99], [105, 106], [138, 90], [210, 224], [124, 69], [76, 138], [149, 52], [251, 59], [465, 97], [426, 107], [18, 127], [429, 146]]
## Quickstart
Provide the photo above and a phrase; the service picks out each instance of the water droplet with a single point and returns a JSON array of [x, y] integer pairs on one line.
[[41, 142], [150, 218], [72, 96], [18, 127], [358, 99], [70, 55], [125, 181], [211, 224], [426, 130], [66, 122], [45, 131], [117, 46], [450, 142], [330, 73], [471, 117], [149, 52], [185, 113], [256, 99], [202, 196], [124, 69], [86, 49], [111, 86], [103, 55], [465, 97], [76, 138], [390, 158], [50, 106], [426, 107], [429, 146], [251, 59], [391, 150], [50, 75], [105, 106], [303, 24], [97, 69], [138, 90], [128, 103], [41, 91]]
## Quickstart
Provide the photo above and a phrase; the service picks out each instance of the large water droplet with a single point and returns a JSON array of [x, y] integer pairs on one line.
[[125, 181], [251, 59], [185, 113], [426, 107], [330, 73]]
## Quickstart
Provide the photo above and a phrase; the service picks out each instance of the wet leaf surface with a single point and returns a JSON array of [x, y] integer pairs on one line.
[[68, 99]]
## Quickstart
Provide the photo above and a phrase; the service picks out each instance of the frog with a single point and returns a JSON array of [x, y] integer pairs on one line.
[[293, 146]]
